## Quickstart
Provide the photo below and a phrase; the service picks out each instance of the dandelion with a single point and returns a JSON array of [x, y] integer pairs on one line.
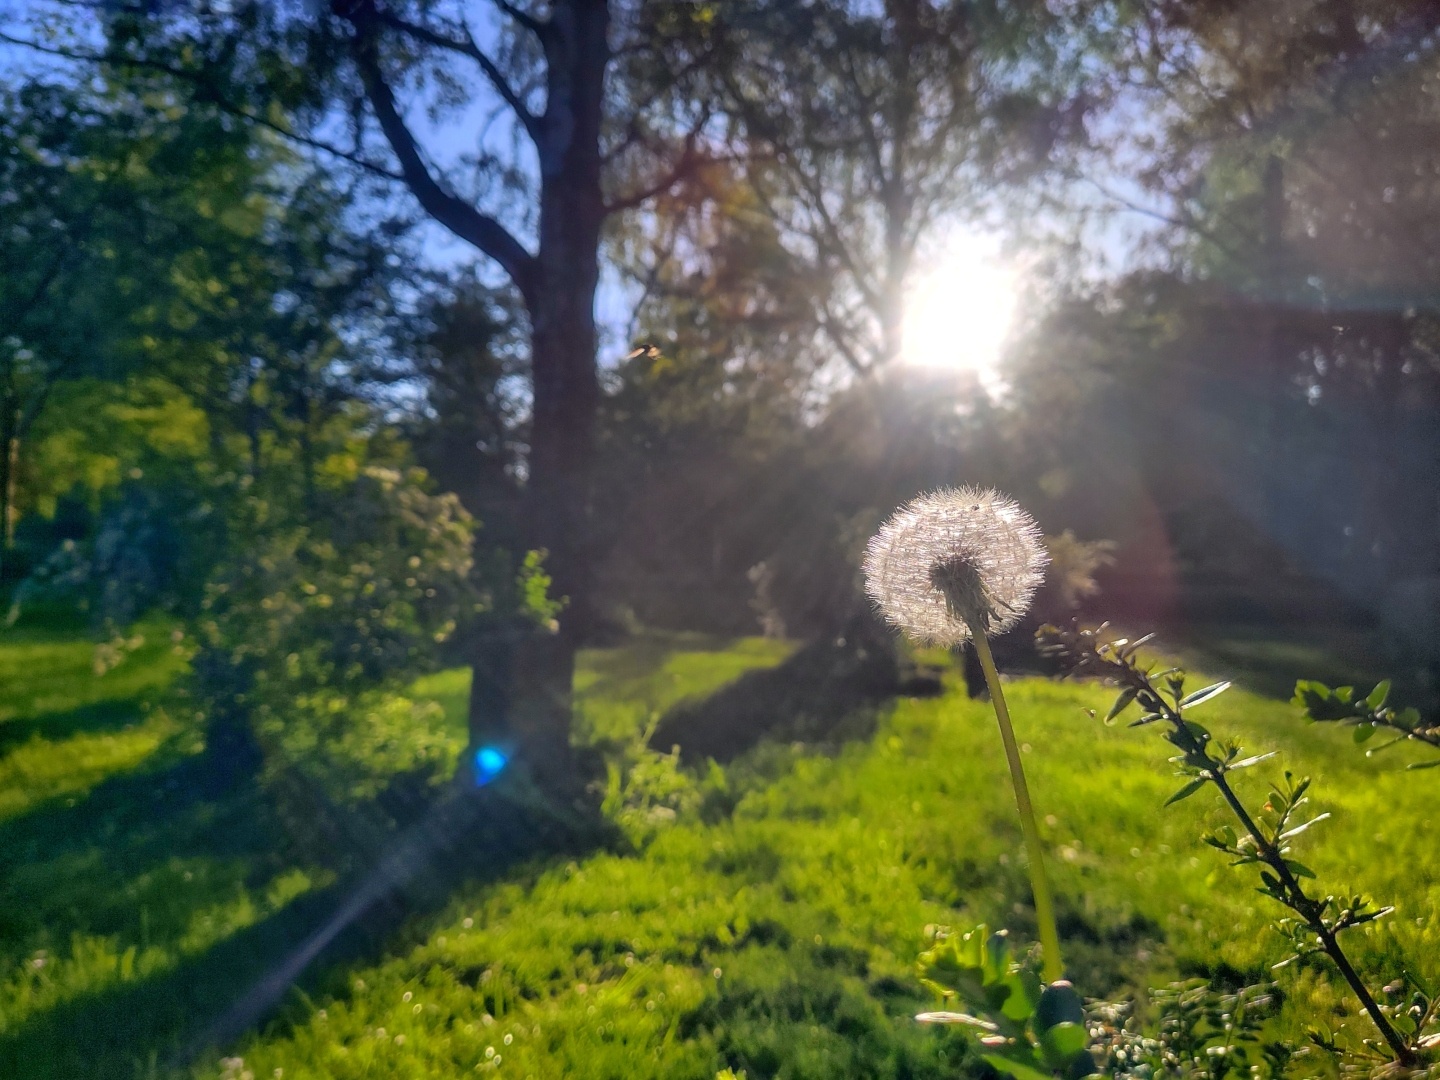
[[954, 562], [959, 565]]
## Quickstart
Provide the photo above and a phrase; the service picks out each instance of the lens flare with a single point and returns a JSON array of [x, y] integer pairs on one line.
[[490, 762]]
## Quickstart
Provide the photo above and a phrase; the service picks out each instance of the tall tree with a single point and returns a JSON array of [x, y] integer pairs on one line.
[[568, 113], [551, 79], [873, 127]]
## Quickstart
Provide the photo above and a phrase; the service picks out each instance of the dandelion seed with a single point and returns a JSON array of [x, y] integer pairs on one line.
[[955, 562]]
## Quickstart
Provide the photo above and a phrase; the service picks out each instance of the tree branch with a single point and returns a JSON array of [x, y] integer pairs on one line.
[[207, 93], [841, 341], [470, 48], [460, 217], [536, 26], [684, 167]]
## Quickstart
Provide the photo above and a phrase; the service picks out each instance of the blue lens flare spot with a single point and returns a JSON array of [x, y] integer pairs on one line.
[[489, 763]]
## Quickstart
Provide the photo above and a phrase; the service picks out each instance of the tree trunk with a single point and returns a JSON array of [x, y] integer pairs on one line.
[[533, 713]]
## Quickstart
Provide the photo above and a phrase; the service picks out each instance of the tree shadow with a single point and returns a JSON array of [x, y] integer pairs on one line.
[[98, 717], [95, 865], [1268, 658], [824, 692], [168, 1018]]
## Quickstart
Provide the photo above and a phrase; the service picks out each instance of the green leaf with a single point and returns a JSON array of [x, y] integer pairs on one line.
[[1126, 697], [1025, 988], [996, 957], [1061, 1043], [1245, 763], [1378, 696], [1288, 833], [1188, 790], [1201, 696], [1199, 731], [1309, 693], [1363, 732], [1299, 869], [1021, 1070]]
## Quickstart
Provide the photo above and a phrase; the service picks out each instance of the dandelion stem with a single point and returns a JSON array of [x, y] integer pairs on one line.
[[1039, 882]]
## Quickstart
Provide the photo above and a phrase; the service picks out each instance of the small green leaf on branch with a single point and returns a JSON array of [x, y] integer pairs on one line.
[[1188, 790], [1201, 696]]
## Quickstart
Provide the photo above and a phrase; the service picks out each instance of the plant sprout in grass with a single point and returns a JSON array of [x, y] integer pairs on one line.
[[958, 565]]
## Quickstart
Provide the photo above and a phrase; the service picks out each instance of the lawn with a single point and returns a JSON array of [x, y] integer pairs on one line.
[[771, 927]]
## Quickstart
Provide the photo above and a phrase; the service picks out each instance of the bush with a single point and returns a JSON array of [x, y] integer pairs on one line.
[[309, 633]]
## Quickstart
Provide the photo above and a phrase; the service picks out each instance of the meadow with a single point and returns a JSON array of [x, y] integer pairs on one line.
[[763, 916]]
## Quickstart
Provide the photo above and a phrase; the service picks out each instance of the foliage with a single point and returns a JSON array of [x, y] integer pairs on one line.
[[646, 790], [125, 513], [309, 631], [1031, 1031], [1202, 1034], [867, 131], [1366, 714], [116, 224], [1070, 575], [1266, 838]]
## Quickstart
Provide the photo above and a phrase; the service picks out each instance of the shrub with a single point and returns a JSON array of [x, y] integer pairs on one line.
[[308, 634]]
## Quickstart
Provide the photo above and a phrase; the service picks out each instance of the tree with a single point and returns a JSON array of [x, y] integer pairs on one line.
[[98, 235], [590, 125], [568, 53], [1287, 155], [869, 128]]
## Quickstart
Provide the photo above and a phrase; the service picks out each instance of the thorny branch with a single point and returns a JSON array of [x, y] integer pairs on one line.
[[1086, 652]]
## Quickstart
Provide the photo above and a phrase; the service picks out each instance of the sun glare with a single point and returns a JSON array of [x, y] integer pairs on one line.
[[958, 315]]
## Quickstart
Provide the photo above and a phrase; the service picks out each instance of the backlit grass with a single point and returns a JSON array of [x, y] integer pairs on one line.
[[774, 931], [780, 939]]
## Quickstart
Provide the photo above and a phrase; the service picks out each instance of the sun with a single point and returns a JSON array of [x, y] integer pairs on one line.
[[958, 314]]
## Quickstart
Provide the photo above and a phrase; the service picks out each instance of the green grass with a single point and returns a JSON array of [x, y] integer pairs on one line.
[[62, 729], [775, 930]]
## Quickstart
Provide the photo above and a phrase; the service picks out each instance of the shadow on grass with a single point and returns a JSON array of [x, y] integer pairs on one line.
[[825, 692], [143, 856], [1268, 659], [164, 1020], [93, 719]]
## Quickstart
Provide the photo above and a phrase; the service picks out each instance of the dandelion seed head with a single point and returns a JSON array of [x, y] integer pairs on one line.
[[952, 558]]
